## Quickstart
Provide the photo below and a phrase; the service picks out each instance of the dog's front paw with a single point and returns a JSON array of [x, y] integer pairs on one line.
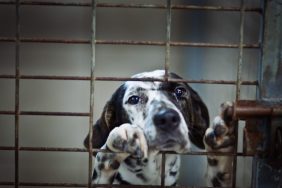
[[220, 138], [221, 134], [130, 139]]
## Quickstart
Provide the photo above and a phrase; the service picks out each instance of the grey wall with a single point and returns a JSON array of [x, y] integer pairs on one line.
[[74, 60]]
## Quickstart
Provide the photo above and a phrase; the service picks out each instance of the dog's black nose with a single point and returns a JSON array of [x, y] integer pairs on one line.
[[166, 119]]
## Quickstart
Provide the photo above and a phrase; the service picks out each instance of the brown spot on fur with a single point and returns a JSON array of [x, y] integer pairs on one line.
[[115, 164], [212, 162]]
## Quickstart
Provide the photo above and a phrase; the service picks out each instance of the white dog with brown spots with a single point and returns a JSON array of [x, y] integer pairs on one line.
[[141, 120]]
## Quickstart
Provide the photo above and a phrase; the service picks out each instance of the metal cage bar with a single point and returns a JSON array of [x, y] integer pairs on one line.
[[33, 184], [41, 113], [88, 78], [126, 42], [132, 5], [168, 36], [17, 93], [238, 86], [166, 66], [92, 84], [54, 149]]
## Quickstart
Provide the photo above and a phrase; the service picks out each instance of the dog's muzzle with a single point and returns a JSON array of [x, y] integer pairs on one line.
[[167, 122], [166, 119]]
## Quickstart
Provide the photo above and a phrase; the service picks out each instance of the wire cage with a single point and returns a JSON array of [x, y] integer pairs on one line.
[[242, 11]]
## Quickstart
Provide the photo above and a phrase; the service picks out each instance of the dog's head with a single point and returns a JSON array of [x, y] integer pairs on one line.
[[169, 113]]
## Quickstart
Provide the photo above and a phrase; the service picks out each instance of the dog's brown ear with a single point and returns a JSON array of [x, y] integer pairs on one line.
[[197, 116], [112, 116], [101, 128], [198, 119]]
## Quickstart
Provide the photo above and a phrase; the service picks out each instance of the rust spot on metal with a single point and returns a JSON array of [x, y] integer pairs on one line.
[[246, 109], [252, 137]]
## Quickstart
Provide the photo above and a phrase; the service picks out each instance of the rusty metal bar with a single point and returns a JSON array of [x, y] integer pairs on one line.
[[238, 87], [31, 184], [127, 42], [168, 35], [92, 84], [166, 66], [242, 109], [23, 184], [240, 59], [17, 93], [245, 109], [163, 170], [44, 113], [131, 5], [46, 40], [54, 113], [96, 150], [43, 149], [53, 149], [215, 8], [213, 45], [49, 149], [55, 77], [7, 112], [88, 78], [6, 76], [46, 77]]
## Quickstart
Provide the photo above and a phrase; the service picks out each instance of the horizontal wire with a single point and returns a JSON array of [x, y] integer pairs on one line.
[[96, 150], [38, 184], [131, 5], [127, 42], [45, 77], [51, 149], [88, 78], [45, 184], [44, 113]]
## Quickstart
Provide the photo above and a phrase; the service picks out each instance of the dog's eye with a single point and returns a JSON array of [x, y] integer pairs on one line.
[[179, 92], [133, 99]]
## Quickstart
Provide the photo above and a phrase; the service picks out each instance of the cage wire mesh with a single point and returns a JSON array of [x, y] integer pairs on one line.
[[34, 35]]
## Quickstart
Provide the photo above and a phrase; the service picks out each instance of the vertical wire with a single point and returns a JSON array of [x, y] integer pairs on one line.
[[92, 84], [241, 45], [163, 170], [238, 86], [168, 34], [17, 91], [167, 63]]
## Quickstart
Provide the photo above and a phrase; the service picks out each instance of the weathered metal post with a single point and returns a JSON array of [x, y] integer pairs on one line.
[[267, 169]]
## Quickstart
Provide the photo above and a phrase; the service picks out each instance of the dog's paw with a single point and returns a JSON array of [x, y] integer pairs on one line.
[[130, 139], [221, 133]]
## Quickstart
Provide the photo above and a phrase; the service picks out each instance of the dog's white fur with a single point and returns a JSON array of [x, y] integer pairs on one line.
[[154, 97]]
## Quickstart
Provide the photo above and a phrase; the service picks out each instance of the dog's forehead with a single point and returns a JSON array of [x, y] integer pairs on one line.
[[134, 85], [137, 86], [153, 74]]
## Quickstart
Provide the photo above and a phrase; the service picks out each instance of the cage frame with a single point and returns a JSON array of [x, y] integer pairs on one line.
[[17, 40]]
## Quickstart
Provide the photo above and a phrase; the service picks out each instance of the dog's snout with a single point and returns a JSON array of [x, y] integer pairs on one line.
[[166, 119]]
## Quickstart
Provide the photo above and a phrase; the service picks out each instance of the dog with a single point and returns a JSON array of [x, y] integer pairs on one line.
[[141, 120]]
